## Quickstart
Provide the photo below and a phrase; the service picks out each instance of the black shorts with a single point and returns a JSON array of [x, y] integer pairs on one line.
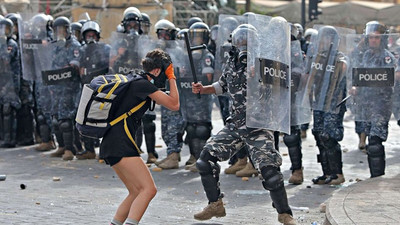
[[114, 160]]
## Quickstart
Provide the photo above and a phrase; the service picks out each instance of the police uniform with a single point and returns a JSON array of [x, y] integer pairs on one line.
[[65, 95], [234, 135], [378, 112], [11, 102], [197, 111]]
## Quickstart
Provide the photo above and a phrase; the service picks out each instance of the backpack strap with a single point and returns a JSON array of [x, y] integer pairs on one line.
[[124, 117]]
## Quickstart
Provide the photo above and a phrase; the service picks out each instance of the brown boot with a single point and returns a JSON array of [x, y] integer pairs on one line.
[[216, 209], [151, 158], [68, 155], [192, 168], [248, 171], [58, 153], [337, 180], [286, 219], [191, 160], [86, 155], [171, 162], [238, 165], [297, 177], [45, 146], [362, 144]]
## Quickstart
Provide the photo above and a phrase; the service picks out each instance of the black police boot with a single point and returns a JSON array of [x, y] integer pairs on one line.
[[376, 156]]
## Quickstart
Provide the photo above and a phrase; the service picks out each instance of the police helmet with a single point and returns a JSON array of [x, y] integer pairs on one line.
[[199, 33], [14, 17], [165, 28], [7, 25], [76, 26], [300, 28], [193, 20], [247, 14], [310, 32], [294, 32], [62, 22], [229, 24], [214, 32], [146, 23], [375, 26], [131, 9], [240, 37], [131, 20], [90, 26], [327, 35], [180, 34]]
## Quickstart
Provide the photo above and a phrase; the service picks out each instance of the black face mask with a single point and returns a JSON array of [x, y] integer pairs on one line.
[[240, 56], [159, 81]]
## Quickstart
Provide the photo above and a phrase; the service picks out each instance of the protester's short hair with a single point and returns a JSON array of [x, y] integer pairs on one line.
[[156, 58]]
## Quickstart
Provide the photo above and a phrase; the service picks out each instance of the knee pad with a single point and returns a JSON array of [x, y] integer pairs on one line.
[[291, 140], [273, 178], [375, 140], [203, 132], [41, 119], [149, 127], [207, 164], [190, 131], [65, 126], [377, 150]]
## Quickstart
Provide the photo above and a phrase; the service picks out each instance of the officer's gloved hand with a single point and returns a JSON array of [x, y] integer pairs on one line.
[[169, 72]]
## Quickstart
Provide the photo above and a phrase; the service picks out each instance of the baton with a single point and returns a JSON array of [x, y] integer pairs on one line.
[[343, 101], [189, 50]]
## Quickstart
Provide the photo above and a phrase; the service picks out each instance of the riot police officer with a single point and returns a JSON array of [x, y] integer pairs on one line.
[[193, 20], [94, 61], [235, 133], [197, 112], [76, 31], [376, 101], [328, 122], [171, 121], [145, 24], [11, 75], [65, 92]]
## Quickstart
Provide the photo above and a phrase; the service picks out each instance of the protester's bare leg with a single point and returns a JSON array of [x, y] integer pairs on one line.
[[139, 182]]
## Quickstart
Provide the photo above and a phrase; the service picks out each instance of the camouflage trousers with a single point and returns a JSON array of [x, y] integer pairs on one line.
[[172, 126], [258, 142], [329, 123]]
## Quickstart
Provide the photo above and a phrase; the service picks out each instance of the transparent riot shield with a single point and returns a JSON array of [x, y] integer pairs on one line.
[[146, 44], [268, 67], [193, 108], [300, 113], [124, 55], [326, 82], [94, 61], [8, 76], [227, 23], [32, 34], [373, 69]]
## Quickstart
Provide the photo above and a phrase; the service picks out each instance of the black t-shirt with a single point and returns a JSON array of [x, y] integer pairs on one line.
[[115, 142]]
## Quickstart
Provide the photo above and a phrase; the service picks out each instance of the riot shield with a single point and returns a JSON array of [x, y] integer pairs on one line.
[[227, 23], [32, 34], [300, 113], [193, 109], [124, 55], [94, 61], [268, 80], [8, 76], [326, 81], [373, 69], [146, 44]]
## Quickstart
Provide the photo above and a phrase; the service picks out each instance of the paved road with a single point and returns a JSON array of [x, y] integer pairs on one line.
[[89, 192]]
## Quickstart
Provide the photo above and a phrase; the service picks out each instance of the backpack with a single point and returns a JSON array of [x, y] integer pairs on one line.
[[93, 118]]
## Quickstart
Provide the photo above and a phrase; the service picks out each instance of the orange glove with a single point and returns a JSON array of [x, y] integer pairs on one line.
[[169, 72]]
